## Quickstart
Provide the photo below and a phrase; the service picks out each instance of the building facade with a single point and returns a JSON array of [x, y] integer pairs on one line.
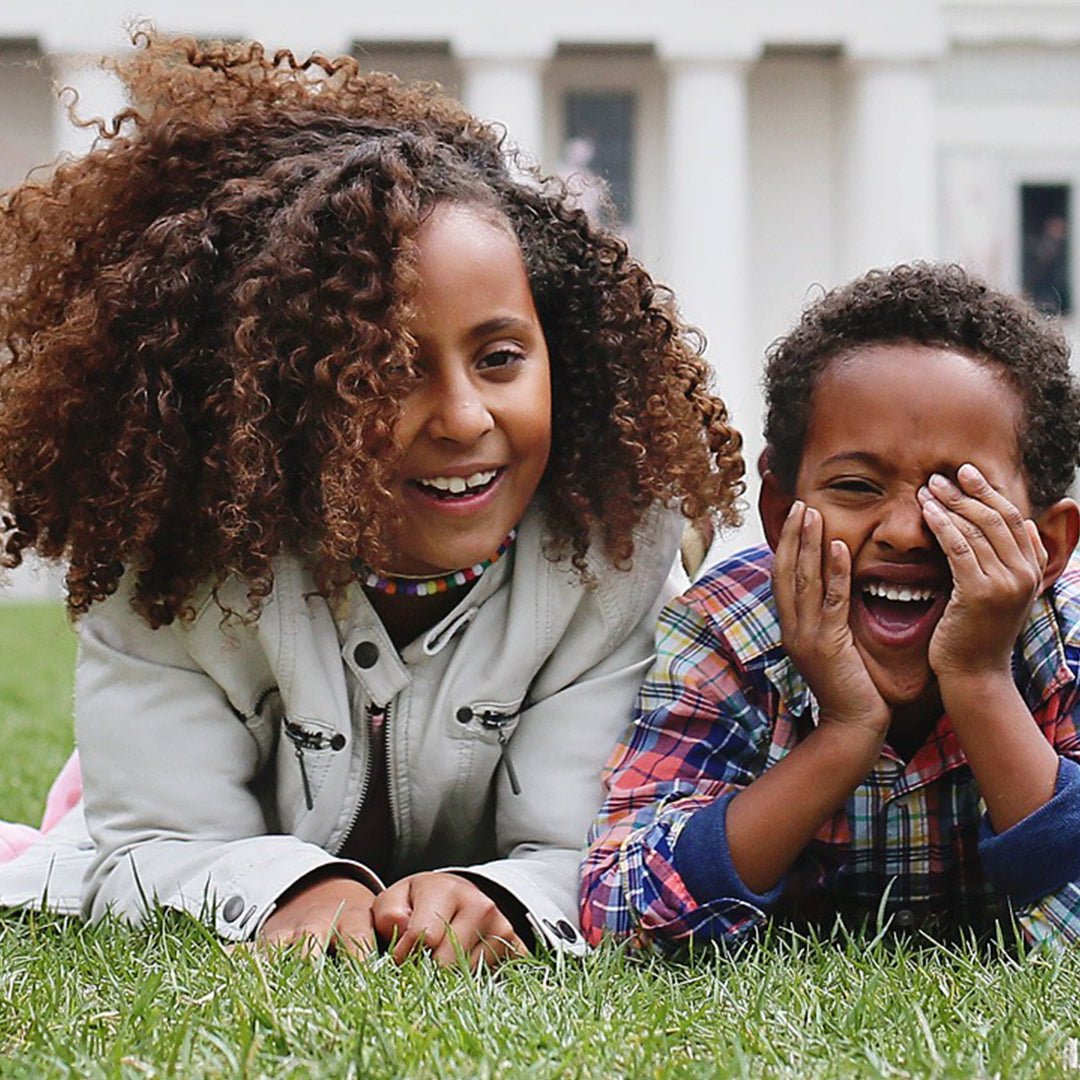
[[755, 153]]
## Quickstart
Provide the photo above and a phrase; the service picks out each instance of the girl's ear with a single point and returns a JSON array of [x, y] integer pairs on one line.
[[773, 504], [1059, 528]]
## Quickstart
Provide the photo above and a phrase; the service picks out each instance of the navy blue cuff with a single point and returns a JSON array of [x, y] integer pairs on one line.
[[1042, 852], [703, 859]]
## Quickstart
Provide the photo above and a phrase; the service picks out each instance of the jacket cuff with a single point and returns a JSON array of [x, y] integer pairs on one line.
[[1039, 854], [703, 859], [242, 903]]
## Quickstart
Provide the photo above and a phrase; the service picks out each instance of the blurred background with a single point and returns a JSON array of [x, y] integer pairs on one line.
[[754, 153]]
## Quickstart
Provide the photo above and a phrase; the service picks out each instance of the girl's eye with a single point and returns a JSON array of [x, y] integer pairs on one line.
[[500, 359]]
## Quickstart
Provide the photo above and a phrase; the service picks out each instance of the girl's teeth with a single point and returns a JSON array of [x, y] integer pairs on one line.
[[456, 485], [898, 592]]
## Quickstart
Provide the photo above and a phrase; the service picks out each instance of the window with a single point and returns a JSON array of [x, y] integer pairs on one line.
[[598, 149], [1046, 274]]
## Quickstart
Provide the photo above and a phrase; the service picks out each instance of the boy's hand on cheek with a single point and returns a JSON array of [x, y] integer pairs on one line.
[[813, 596], [997, 560], [448, 916]]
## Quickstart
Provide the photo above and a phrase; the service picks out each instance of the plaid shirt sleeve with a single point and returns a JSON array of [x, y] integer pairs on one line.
[[1045, 848], [701, 730]]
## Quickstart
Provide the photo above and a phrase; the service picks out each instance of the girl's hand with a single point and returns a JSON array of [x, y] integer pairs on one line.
[[997, 560], [448, 916], [332, 914], [813, 596]]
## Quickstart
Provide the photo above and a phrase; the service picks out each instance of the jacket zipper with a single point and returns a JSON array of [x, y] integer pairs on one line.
[[383, 714], [303, 739], [497, 722]]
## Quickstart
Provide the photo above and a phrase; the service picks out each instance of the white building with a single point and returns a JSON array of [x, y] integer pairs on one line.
[[756, 151]]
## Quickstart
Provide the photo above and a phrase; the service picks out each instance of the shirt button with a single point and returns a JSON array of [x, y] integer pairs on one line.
[[904, 919], [366, 654], [232, 909]]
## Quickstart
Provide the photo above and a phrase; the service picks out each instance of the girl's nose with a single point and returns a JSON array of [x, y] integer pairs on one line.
[[459, 415]]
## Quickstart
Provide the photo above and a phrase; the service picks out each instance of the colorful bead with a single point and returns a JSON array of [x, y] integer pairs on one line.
[[391, 584]]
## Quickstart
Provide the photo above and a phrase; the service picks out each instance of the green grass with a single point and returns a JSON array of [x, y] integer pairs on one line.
[[37, 656], [168, 1000]]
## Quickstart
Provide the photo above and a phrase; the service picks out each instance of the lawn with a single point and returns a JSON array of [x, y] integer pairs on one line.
[[169, 1000]]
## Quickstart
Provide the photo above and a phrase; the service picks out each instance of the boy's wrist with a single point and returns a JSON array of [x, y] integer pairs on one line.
[[851, 745], [965, 692]]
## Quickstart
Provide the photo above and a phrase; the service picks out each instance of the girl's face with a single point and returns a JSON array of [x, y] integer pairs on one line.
[[476, 430]]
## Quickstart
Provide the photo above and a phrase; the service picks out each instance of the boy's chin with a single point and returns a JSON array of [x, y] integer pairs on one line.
[[912, 687]]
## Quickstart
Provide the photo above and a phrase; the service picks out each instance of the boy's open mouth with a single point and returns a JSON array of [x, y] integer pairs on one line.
[[898, 615]]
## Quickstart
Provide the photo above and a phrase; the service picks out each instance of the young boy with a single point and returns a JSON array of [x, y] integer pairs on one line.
[[879, 715]]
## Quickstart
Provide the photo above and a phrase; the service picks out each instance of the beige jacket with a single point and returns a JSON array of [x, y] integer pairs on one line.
[[221, 765]]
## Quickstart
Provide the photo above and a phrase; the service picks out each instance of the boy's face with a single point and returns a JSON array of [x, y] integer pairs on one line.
[[882, 420]]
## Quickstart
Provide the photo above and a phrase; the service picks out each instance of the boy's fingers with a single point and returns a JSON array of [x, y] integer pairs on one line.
[[837, 600], [958, 550], [809, 587], [787, 550], [989, 520]]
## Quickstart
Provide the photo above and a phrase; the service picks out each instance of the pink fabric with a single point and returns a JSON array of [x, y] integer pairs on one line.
[[65, 792]]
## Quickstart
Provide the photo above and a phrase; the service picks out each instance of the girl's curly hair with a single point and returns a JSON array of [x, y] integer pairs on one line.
[[939, 305], [205, 332]]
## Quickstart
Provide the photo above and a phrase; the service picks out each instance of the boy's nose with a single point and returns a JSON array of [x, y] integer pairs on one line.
[[903, 528]]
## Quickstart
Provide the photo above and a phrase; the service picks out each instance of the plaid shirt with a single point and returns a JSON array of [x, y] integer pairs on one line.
[[724, 703]]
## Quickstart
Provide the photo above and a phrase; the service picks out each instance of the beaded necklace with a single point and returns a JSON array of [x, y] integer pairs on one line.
[[405, 585]]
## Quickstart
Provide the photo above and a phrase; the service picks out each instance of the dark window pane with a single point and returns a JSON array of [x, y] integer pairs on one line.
[[1045, 226], [600, 142]]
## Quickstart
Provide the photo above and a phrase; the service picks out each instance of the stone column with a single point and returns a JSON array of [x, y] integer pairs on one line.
[[706, 248], [508, 91], [889, 209]]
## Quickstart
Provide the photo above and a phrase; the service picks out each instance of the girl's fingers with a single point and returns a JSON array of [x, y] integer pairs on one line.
[[392, 913]]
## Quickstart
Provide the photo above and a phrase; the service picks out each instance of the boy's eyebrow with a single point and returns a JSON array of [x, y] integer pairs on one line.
[[856, 457]]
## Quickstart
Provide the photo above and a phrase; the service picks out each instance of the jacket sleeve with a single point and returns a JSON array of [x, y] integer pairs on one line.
[[698, 737], [580, 701], [171, 776]]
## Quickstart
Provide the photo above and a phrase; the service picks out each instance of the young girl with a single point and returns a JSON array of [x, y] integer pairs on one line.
[[362, 454]]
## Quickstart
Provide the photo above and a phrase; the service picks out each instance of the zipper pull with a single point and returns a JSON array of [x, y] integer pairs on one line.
[[511, 772], [296, 737], [304, 776]]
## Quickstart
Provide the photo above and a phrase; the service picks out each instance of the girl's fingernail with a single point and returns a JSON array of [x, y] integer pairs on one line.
[[967, 471], [932, 507]]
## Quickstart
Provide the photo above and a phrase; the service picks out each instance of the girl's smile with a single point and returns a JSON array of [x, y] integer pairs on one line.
[[476, 431]]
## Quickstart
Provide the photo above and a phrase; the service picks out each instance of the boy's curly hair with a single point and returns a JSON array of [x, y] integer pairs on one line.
[[205, 345], [938, 305]]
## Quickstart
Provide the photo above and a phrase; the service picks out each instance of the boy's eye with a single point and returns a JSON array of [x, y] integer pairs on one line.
[[854, 485]]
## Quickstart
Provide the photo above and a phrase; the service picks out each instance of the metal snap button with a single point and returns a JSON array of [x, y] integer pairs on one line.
[[366, 654], [232, 908]]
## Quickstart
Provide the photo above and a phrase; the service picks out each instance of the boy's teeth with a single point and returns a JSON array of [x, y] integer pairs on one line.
[[898, 592], [458, 484]]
